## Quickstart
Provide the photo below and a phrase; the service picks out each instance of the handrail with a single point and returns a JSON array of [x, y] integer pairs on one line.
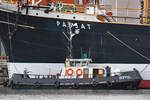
[[40, 76], [122, 17], [103, 7], [79, 11]]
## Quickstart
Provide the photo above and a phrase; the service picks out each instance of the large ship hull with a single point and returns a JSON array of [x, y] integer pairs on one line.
[[41, 40]]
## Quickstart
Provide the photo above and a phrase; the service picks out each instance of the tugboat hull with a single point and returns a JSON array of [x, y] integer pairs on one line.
[[124, 85], [130, 80]]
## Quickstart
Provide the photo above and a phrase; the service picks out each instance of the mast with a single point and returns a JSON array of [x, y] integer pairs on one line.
[[146, 11], [69, 35], [70, 41]]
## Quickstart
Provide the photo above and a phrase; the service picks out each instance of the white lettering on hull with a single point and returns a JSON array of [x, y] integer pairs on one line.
[[75, 25], [82, 26], [124, 77], [58, 23], [64, 24]]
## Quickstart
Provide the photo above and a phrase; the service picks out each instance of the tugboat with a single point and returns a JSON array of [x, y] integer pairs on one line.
[[78, 74]]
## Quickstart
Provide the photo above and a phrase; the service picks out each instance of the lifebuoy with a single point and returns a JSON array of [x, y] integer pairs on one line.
[[79, 72], [69, 71]]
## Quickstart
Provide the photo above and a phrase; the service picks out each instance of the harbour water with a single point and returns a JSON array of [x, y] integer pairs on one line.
[[73, 94]]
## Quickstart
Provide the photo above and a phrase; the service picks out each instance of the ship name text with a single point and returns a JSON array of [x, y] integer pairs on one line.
[[124, 77], [75, 25]]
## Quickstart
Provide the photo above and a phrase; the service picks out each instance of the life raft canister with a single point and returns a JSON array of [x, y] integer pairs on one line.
[[69, 71], [79, 72]]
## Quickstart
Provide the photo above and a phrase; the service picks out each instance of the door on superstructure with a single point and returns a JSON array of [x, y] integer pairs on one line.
[[90, 7], [80, 6], [95, 72], [80, 2], [85, 73]]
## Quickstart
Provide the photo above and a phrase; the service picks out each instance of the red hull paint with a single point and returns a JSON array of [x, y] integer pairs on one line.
[[145, 84]]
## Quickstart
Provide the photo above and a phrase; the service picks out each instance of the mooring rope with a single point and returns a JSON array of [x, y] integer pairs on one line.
[[132, 49], [10, 39]]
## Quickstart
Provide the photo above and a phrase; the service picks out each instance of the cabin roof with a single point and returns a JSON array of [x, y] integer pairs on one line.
[[85, 59]]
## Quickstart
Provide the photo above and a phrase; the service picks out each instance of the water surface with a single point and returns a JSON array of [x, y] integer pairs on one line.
[[73, 94]]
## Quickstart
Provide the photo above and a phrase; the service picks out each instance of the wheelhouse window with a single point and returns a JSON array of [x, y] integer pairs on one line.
[[80, 2], [84, 63], [78, 63]]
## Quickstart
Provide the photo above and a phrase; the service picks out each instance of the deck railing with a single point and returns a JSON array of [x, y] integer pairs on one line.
[[36, 76]]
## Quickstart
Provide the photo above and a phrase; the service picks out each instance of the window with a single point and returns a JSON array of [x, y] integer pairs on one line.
[[91, 1], [84, 63], [86, 71], [79, 2], [77, 63]]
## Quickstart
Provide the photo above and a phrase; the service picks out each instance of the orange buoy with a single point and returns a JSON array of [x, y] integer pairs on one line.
[[79, 72], [69, 71]]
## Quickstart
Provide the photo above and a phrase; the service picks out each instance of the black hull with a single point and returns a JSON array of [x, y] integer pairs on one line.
[[123, 85], [129, 80], [36, 39]]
